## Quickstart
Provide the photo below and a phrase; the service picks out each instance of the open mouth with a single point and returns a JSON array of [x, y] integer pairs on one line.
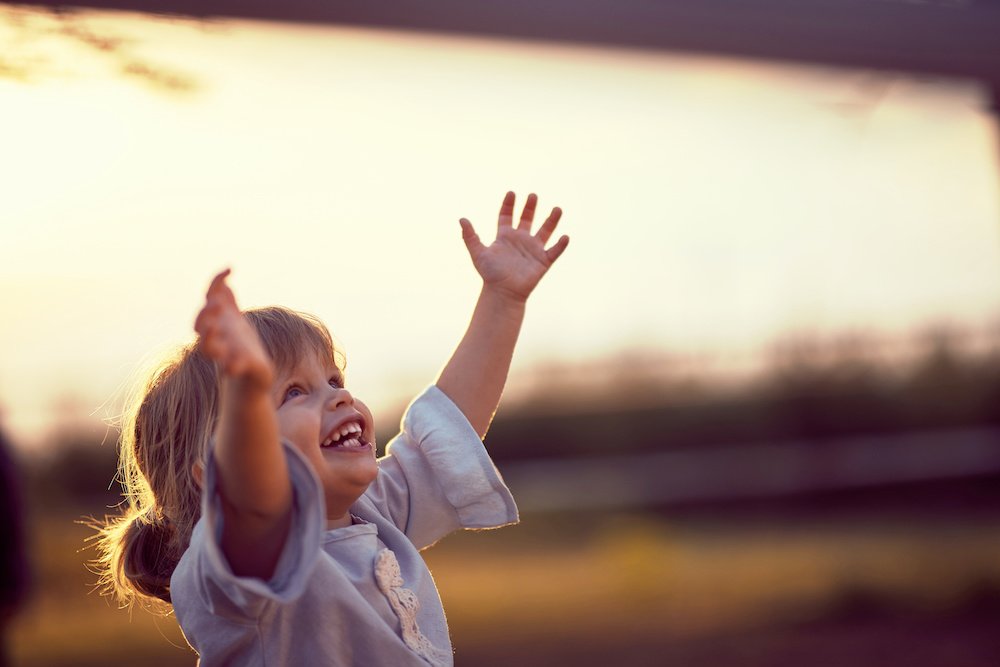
[[349, 435]]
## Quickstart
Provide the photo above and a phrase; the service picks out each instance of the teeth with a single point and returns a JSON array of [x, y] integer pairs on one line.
[[345, 430]]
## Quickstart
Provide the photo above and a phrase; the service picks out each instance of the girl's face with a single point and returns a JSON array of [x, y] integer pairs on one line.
[[335, 432]]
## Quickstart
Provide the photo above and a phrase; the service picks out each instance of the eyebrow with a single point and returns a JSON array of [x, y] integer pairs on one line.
[[287, 376]]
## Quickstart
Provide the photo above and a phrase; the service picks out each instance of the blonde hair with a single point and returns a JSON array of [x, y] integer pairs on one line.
[[165, 431]]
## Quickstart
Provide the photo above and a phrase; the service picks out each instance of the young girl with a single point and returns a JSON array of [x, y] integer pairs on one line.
[[257, 507]]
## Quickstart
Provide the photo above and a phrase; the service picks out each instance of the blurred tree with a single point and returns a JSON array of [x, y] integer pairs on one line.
[[812, 388], [79, 474], [942, 389], [825, 388], [37, 37]]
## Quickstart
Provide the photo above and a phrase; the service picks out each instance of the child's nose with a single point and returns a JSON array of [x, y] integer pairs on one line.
[[339, 396]]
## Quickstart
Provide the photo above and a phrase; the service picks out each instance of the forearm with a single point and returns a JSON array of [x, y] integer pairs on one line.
[[475, 375], [251, 464], [253, 480]]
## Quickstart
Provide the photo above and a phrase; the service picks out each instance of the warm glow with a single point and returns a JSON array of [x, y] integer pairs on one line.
[[713, 204]]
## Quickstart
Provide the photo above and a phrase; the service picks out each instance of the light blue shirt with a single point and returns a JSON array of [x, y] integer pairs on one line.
[[359, 595]]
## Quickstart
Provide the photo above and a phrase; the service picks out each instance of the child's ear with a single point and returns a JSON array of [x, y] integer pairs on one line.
[[198, 470]]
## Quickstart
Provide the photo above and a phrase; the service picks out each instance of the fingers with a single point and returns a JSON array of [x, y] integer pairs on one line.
[[219, 290], [211, 345], [219, 298], [212, 339], [218, 294], [471, 239], [206, 318], [506, 218], [549, 226], [211, 335], [216, 338], [218, 281], [556, 250], [528, 215]]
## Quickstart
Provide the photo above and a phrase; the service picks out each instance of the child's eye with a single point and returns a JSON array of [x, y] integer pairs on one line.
[[337, 382], [292, 392]]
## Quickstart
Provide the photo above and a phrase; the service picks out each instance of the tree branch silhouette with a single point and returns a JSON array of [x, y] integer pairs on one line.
[[37, 35]]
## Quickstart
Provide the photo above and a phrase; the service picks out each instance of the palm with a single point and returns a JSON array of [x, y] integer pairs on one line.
[[517, 259]]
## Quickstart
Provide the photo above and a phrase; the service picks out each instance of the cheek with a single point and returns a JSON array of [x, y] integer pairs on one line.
[[299, 427], [363, 409]]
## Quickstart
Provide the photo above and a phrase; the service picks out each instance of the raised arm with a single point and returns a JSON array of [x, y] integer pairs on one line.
[[510, 267], [252, 474]]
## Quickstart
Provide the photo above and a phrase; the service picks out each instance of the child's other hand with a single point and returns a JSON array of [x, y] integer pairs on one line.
[[516, 260], [226, 337]]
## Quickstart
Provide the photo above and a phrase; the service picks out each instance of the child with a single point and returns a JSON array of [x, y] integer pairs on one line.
[[257, 506]]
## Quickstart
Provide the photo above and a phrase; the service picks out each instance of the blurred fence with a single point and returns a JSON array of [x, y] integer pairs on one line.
[[752, 470]]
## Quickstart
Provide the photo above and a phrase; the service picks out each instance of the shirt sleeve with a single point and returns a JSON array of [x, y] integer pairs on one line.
[[437, 476], [243, 599]]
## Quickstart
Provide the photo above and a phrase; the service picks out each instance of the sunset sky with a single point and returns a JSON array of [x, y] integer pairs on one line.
[[713, 204]]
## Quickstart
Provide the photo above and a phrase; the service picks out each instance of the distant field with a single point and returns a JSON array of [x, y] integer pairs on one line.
[[570, 590]]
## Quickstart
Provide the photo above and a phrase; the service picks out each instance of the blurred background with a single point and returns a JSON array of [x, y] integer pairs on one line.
[[754, 418]]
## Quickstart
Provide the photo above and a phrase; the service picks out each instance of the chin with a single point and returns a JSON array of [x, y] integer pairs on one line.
[[349, 487]]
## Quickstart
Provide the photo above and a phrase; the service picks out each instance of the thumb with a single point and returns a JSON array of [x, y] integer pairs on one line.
[[472, 242]]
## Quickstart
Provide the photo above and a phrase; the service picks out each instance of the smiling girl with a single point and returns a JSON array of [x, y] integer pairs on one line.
[[257, 507]]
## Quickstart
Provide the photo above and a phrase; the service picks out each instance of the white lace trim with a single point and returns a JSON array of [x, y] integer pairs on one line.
[[405, 603]]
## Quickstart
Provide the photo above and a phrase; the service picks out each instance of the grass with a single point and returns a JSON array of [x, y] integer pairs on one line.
[[561, 582], [635, 577]]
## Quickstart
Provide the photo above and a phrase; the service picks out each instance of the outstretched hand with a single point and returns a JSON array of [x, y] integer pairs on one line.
[[226, 337], [516, 260]]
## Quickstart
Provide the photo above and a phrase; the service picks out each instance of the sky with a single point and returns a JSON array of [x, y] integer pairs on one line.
[[713, 204]]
